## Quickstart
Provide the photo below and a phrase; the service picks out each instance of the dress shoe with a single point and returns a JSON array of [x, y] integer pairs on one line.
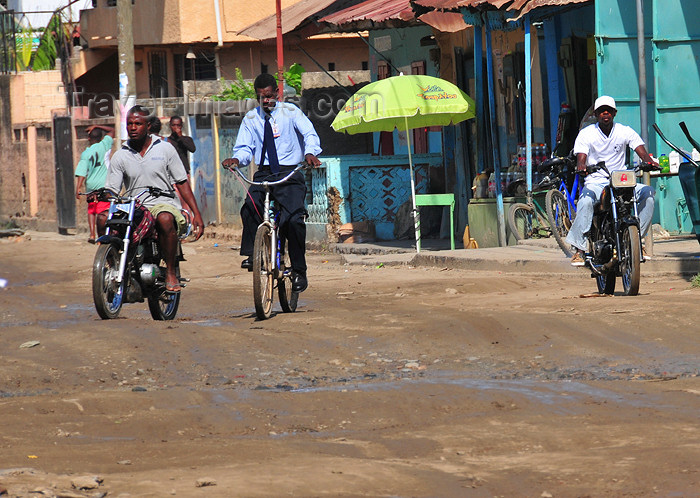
[[247, 264], [299, 282]]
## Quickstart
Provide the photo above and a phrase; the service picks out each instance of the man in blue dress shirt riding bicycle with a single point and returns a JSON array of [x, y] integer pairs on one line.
[[278, 136]]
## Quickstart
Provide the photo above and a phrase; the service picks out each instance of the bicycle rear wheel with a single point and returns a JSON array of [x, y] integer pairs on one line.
[[558, 217], [288, 298], [524, 221], [263, 279]]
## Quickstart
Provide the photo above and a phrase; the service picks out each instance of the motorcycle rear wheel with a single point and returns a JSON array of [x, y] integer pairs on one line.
[[163, 305], [263, 279], [106, 292], [605, 282], [630, 260]]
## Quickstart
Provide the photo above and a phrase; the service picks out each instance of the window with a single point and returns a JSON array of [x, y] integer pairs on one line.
[[43, 133], [383, 70], [365, 65], [204, 66], [331, 66], [157, 74]]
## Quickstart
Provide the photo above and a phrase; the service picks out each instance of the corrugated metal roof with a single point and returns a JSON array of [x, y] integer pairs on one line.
[[456, 4], [523, 5], [373, 11], [292, 17], [447, 22], [533, 4]]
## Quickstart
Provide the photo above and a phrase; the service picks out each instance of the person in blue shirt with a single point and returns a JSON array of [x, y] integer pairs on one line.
[[277, 136]]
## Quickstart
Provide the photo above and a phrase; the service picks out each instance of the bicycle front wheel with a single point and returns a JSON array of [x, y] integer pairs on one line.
[[558, 217], [520, 221], [263, 279]]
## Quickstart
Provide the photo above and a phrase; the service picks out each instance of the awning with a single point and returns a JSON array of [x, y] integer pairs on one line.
[[456, 4], [524, 6], [447, 22], [366, 14], [391, 13]]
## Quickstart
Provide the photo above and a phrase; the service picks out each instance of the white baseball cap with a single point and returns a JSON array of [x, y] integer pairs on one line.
[[604, 101]]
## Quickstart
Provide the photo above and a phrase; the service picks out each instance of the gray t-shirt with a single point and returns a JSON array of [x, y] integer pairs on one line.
[[159, 167]]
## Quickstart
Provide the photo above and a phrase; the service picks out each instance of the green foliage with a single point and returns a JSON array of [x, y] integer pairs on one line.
[[695, 281], [293, 76], [238, 90], [45, 55], [23, 41], [241, 89]]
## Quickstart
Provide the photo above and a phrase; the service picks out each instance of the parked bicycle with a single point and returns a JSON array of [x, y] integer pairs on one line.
[[531, 219], [271, 264]]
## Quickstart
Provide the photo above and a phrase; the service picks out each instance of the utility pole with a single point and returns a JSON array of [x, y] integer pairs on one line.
[[127, 74], [280, 50]]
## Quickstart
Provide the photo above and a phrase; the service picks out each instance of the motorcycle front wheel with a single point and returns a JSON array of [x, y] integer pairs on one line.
[[630, 261], [163, 305], [106, 292], [263, 279]]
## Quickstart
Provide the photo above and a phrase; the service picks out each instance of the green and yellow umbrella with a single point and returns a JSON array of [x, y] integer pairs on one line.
[[404, 102]]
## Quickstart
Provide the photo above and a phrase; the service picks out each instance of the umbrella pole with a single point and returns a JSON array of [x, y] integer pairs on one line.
[[416, 217]]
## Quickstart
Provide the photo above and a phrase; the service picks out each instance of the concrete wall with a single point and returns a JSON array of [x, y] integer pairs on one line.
[[35, 95]]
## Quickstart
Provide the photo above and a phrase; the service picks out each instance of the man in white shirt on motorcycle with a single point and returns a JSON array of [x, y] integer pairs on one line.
[[606, 141]]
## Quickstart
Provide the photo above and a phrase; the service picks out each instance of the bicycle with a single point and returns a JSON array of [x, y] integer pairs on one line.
[[271, 264], [531, 220]]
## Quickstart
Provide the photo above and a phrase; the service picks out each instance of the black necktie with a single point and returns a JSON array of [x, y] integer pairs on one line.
[[269, 146]]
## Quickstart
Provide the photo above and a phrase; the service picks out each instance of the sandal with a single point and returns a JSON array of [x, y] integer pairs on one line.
[[173, 288]]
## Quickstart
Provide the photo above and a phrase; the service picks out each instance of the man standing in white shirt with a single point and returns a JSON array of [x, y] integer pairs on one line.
[[606, 141]]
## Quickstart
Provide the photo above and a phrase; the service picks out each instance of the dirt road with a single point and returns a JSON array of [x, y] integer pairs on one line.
[[386, 382]]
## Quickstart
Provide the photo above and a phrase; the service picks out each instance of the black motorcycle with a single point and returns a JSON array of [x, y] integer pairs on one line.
[[614, 240], [127, 266]]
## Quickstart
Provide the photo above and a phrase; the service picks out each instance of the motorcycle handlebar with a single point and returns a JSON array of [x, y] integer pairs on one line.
[[593, 168], [104, 194]]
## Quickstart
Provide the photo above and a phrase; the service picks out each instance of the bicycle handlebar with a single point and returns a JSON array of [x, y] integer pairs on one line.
[[265, 183]]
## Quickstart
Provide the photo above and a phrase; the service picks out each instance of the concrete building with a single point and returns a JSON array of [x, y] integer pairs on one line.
[[176, 41]]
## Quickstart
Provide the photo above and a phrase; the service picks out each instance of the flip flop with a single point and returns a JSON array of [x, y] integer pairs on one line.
[[173, 289], [91, 241]]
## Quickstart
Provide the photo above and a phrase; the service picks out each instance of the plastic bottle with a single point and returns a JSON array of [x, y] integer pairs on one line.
[[663, 162], [674, 161]]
